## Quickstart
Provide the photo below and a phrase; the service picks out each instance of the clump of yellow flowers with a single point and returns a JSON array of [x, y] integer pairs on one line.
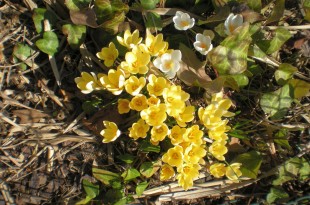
[[163, 108]]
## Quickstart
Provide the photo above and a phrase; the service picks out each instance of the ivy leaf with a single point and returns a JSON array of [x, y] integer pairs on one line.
[[281, 139], [106, 177], [281, 36], [251, 162], [130, 174], [256, 5], [275, 194], [128, 158], [49, 44], [149, 4], [277, 12], [76, 5], [231, 56], [141, 187], [276, 103], [304, 170], [284, 73], [241, 79], [147, 169], [75, 34], [41, 14], [283, 177], [23, 52], [301, 88]]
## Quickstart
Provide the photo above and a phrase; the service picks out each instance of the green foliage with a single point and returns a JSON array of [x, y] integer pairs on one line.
[[146, 146], [75, 34], [231, 56], [130, 174], [284, 73], [153, 21], [76, 5], [106, 177], [251, 162], [281, 36], [41, 14], [275, 194], [128, 158], [301, 88], [91, 191], [49, 44], [277, 13], [276, 103], [141, 187], [149, 4], [281, 139], [23, 52]]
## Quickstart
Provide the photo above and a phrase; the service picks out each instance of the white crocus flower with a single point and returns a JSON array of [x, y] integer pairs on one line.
[[182, 21], [169, 63], [203, 44], [232, 22]]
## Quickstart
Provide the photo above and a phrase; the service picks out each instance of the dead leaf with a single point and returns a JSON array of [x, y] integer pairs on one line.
[[85, 17], [110, 113], [235, 146], [192, 77], [29, 116]]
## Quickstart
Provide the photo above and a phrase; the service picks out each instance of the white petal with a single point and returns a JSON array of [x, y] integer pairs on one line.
[[176, 55], [157, 62], [199, 37], [237, 20]]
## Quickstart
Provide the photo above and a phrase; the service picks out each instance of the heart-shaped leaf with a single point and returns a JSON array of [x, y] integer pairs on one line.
[[275, 194], [231, 56], [149, 4], [281, 36], [251, 162], [41, 14], [49, 44], [277, 12], [107, 10], [75, 34], [23, 52], [276, 103], [301, 88], [284, 73]]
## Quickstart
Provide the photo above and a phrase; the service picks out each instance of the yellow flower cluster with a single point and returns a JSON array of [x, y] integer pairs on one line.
[[211, 117], [162, 107]]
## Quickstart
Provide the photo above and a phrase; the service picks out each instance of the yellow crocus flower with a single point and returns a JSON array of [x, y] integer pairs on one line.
[[108, 54], [110, 133]]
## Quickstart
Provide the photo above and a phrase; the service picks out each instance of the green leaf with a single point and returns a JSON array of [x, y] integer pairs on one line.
[[241, 79], [276, 103], [114, 195], [122, 201], [284, 73], [283, 177], [41, 14], [304, 170], [251, 162], [281, 139], [149, 4], [112, 24], [147, 169], [106, 177], [141, 187], [293, 165], [76, 5], [84, 201], [256, 5], [49, 44], [306, 7], [75, 34], [153, 21], [128, 158], [277, 12], [130, 174], [146, 146], [301, 88], [281, 36], [109, 11], [91, 189], [23, 52], [275, 194], [231, 56]]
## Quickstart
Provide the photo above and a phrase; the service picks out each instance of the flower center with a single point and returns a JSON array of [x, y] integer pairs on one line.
[[184, 23], [175, 156]]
